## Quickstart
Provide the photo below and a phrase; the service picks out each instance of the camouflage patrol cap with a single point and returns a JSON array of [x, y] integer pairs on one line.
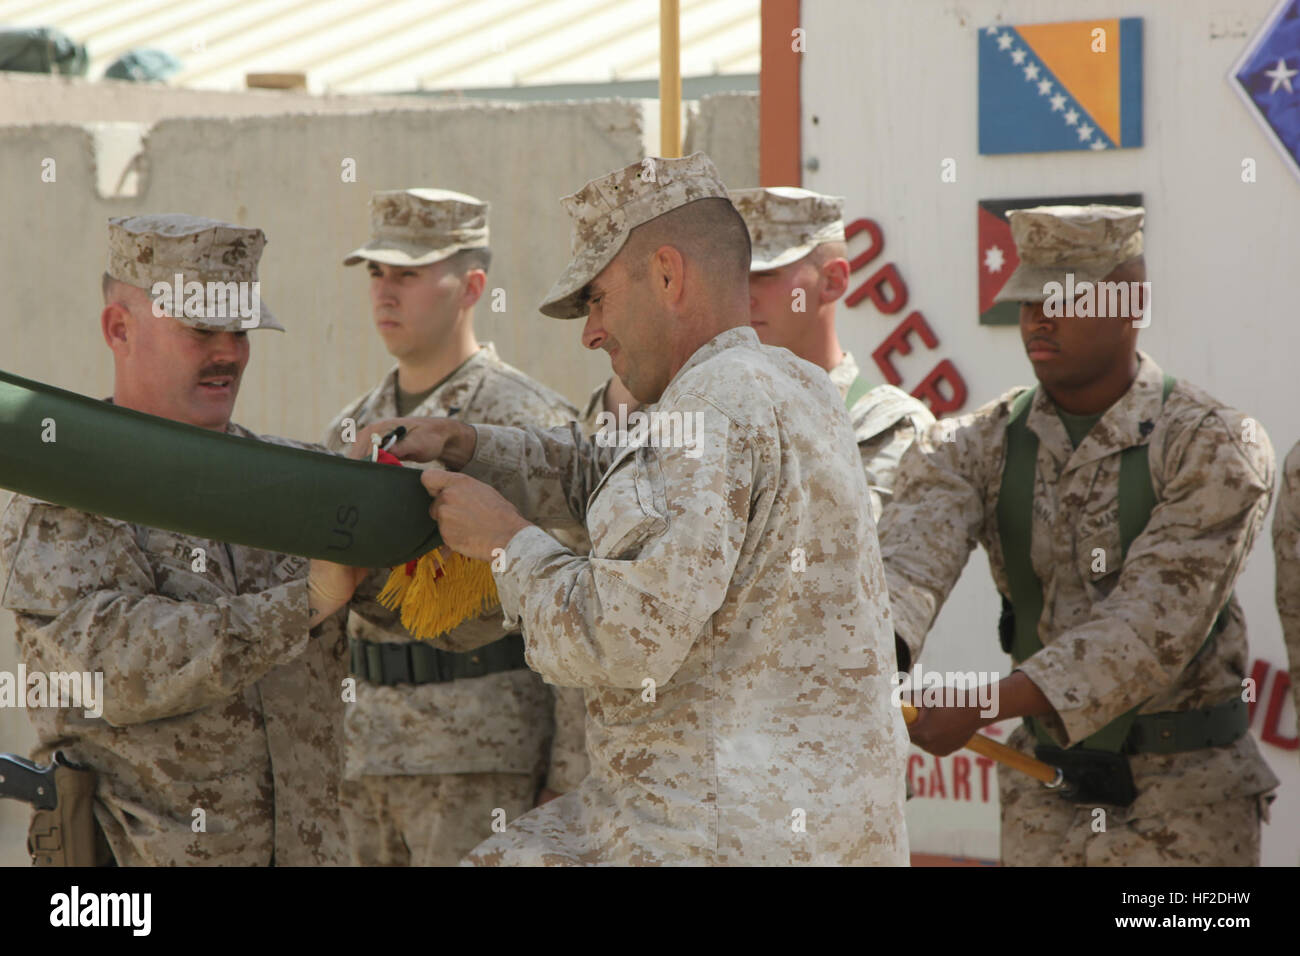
[[786, 223], [606, 210], [1051, 241], [163, 252], [416, 227]]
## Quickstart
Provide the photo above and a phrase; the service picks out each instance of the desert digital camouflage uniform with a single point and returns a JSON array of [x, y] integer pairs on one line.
[[785, 225], [216, 696], [590, 417], [886, 421], [591, 412], [1286, 551], [427, 764], [737, 688], [1116, 633]]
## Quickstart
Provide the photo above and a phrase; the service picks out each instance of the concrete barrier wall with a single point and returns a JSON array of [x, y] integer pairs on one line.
[[283, 173], [33, 98], [725, 126]]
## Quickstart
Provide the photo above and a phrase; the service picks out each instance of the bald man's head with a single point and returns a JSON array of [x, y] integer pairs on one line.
[[708, 233], [679, 281]]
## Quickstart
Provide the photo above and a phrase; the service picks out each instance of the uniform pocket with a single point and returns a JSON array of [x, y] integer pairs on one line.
[[184, 568], [650, 492], [629, 508]]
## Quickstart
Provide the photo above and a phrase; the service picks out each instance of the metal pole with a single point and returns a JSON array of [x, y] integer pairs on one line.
[[670, 79]]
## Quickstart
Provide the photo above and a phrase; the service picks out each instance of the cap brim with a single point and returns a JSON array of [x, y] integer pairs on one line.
[[764, 261], [225, 323], [1029, 283], [394, 253], [565, 300], [265, 320]]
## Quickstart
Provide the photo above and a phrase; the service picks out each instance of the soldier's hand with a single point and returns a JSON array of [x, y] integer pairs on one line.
[[473, 518], [941, 730], [426, 439], [329, 587], [546, 796]]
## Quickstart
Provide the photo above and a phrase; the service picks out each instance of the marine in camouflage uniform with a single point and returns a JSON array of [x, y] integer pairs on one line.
[[1286, 552], [1117, 631], [432, 749], [799, 250], [216, 695], [730, 626]]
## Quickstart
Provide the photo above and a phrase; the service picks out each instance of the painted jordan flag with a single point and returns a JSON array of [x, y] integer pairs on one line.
[[1057, 86], [997, 253]]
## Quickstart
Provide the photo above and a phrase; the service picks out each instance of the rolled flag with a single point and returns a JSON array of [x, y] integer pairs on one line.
[[93, 456]]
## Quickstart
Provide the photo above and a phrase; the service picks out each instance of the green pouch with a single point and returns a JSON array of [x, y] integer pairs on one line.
[[1092, 776]]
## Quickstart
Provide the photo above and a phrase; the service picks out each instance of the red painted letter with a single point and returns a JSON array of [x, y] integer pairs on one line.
[[937, 788], [929, 391], [1269, 734], [897, 342], [960, 777], [877, 242], [984, 763], [873, 289]]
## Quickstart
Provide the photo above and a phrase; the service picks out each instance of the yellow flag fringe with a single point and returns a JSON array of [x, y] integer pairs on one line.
[[440, 592]]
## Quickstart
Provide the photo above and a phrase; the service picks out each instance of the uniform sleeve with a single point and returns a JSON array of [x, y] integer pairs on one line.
[[881, 456], [1286, 551], [1176, 577], [666, 532], [934, 521], [547, 473], [568, 764], [83, 591]]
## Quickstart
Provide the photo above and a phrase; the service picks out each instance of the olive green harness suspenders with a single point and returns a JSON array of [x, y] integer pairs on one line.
[[859, 388], [1015, 523]]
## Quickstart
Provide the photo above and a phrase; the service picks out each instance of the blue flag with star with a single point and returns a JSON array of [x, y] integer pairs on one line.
[[1268, 77], [1060, 86]]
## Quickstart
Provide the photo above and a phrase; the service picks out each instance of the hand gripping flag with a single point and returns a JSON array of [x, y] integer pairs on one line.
[[440, 589]]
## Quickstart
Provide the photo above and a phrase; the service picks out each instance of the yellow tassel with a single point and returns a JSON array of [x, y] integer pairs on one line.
[[431, 603]]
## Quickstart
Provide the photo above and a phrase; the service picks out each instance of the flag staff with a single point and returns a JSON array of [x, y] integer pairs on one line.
[[670, 79]]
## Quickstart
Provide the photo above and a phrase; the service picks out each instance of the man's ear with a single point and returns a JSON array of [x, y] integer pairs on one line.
[[119, 328], [835, 280], [668, 269], [475, 283]]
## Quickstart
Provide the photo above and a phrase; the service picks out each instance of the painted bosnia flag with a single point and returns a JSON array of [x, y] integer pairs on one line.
[[1059, 86], [997, 251]]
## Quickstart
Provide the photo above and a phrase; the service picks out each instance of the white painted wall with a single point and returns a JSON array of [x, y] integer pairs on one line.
[[890, 90]]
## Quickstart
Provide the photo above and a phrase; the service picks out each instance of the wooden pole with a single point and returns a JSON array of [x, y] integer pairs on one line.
[[670, 79], [780, 158], [1003, 754]]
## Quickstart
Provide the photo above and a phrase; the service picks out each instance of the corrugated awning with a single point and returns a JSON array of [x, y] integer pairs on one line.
[[378, 46]]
